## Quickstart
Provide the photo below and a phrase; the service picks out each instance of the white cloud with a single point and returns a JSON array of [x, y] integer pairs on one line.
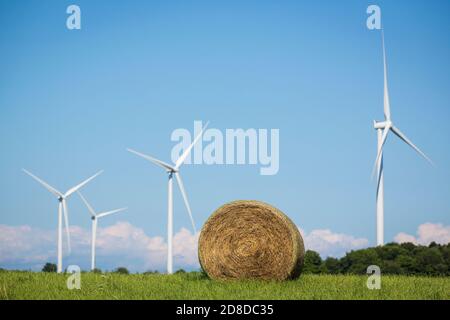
[[404, 237], [18, 245], [426, 233], [186, 246], [327, 243], [127, 245], [119, 244], [123, 244]]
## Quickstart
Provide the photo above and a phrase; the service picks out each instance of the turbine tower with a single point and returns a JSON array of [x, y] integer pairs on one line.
[[173, 170], [94, 217], [62, 209], [383, 128]]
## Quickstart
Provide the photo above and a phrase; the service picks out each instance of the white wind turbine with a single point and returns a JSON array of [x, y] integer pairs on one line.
[[383, 128], [94, 217], [62, 208], [171, 171]]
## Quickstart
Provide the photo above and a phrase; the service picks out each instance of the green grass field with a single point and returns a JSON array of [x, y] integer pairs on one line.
[[29, 285]]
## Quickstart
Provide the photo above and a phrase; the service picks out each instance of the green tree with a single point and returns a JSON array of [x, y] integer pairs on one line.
[[445, 251], [390, 251], [49, 267], [433, 245], [122, 270], [313, 262], [149, 272], [407, 263], [392, 258], [408, 246], [428, 259], [391, 267], [356, 262], [440, 269], [332, 265]]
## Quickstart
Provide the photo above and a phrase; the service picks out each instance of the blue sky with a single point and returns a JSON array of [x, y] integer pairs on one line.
[[72, 101]]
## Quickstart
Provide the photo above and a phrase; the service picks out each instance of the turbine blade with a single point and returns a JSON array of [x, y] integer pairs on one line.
[[45, 184], [91, 210], [107, 213], [66, 222], [399, 134], [188, 150], [186, 202], [387, 107], [72, 190], [153, 160], [383, 141]]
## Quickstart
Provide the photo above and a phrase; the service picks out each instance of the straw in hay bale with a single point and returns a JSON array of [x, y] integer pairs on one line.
[[250, 240]]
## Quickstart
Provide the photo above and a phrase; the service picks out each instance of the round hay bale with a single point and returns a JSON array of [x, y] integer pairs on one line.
[[250, 240]]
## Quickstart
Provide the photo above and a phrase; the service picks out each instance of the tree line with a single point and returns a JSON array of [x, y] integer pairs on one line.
[[392, 258]]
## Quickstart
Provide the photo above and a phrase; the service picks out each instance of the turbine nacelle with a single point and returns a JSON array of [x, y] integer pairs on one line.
[[382, 124]]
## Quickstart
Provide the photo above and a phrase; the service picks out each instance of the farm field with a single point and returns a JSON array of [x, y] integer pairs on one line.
[[193, 285]]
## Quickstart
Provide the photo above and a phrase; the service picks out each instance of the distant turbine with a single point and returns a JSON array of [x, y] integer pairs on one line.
[[383, 128], [171, 171], [62, 208], [94, 218]]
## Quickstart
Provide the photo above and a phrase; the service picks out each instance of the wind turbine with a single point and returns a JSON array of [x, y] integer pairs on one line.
[[94, 217], [62, 208], [383, 128], [171, 171]]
